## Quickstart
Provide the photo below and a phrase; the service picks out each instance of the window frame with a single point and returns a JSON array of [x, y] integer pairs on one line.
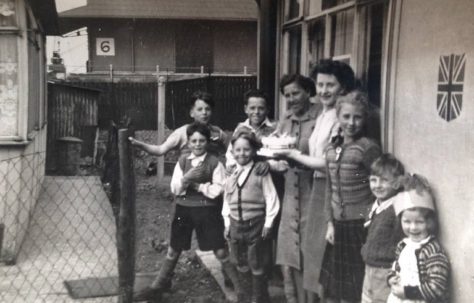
[[19, 31]]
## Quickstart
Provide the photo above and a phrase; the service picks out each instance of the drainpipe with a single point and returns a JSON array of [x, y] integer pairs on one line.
[[267, 24]]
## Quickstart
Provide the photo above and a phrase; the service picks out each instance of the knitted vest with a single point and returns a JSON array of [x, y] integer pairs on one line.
[[351, 196], [194, 198], [247, 201]]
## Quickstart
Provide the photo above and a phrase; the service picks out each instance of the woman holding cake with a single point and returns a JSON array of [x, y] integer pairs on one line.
[[333, 78], [299, 123]]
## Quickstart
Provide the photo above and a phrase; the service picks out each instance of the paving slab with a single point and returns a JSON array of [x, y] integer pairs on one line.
[[71, 236]]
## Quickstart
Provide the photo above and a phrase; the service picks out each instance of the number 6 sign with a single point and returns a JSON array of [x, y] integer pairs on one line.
[[105, 46]]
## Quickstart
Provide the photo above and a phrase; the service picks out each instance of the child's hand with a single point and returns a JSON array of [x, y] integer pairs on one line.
[[394, 280], [194, 174], [266, 232], [330, 233], [134, 141], [398, 290], [229, 170], [227, 233], [262, 168]]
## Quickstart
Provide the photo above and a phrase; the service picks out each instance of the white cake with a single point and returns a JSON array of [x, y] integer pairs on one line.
[[278, 143]]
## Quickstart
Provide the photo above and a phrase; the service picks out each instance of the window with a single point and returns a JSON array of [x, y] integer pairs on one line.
[[9, 75], [351, 31]]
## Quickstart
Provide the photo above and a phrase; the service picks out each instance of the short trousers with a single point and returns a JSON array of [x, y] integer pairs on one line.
[[246, 242], [206, 221]]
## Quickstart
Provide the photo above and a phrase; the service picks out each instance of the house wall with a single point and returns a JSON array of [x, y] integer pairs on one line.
[[21, 177], [142, 45], [440, 150], [235, 46]]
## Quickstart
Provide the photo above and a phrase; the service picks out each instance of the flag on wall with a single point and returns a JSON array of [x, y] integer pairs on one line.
[[450, 86]]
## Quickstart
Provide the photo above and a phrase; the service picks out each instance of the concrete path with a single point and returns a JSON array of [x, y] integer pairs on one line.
[[71, 236]]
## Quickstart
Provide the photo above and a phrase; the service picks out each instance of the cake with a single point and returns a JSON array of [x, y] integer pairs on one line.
[[278, 143]]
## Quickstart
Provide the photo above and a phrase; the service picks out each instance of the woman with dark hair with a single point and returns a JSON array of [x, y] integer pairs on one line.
[[333, 78], [298, 122]]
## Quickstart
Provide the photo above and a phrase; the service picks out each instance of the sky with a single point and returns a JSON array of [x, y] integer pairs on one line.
[[72, 49]]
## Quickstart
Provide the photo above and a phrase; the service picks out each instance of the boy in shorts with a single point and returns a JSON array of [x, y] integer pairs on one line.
[[197, 183]]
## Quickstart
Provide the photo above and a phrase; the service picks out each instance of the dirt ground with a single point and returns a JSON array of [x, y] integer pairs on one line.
[[192, 283]]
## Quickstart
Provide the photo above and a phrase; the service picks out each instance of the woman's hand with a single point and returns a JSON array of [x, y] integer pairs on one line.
[[287, 153], [330, 233], [134, 141]]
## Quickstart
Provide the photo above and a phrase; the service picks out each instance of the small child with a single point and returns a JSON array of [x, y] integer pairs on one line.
[[421, 270], [197, 182], [384, 230], [250, 206]]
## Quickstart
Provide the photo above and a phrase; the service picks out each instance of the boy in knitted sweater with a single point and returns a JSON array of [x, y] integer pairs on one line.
[[384, 229], [250, 206]]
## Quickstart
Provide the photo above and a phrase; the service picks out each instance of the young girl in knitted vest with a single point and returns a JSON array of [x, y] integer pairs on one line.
[[250, 206], [348, 200], [420, 273]]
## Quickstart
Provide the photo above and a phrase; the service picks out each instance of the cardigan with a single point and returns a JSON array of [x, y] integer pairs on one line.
[[433, 270], [384, 233], [348, 194]]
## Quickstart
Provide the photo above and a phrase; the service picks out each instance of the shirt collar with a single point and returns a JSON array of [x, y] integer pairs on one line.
[[244, 167], [310, 114], [201, 157], [265, 122]]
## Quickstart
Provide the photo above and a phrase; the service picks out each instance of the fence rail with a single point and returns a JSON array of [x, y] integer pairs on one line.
[[138, 100]]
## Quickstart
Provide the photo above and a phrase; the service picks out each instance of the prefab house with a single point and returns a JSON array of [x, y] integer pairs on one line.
[[24, 25], [416, 60], [178, 36]]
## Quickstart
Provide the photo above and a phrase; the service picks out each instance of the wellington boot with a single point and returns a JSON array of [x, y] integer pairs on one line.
[[288, 285]]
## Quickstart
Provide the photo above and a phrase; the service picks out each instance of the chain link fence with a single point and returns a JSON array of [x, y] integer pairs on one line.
[[58, 235]]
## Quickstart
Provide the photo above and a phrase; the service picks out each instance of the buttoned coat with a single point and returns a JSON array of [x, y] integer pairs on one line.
[[298, 186]]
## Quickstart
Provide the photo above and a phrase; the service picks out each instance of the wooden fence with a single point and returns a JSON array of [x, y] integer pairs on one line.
[[138, 100], [72, 112]]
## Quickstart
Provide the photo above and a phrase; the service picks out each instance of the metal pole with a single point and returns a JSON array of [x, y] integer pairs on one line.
[[126, 219], [161, 124]]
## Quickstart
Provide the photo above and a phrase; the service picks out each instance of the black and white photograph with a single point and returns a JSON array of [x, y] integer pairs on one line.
[[236, 151]]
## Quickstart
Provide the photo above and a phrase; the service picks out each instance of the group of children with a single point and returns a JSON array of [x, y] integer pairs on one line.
[[381, 252]]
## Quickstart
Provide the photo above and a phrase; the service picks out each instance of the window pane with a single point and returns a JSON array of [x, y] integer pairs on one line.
[[314, 7], [293, 9], [331, 3], [342, 29], [8, 85], [7, 13], [294, 56], [316, 39]]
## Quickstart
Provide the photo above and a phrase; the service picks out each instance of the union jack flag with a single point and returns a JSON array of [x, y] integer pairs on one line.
[[450, 86]]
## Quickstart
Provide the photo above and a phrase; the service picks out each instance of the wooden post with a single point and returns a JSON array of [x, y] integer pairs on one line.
[[111, 72], [160, 170], [126, 219]]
